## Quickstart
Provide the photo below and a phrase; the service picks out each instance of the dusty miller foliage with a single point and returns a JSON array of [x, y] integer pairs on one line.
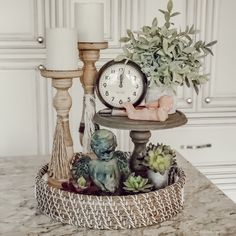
[[169, 57]]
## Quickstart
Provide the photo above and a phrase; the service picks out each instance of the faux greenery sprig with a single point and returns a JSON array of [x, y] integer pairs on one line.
[[169, 57]]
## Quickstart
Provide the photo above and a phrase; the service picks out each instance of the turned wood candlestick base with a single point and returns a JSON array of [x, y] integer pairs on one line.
[[89, 53], [62, 151]]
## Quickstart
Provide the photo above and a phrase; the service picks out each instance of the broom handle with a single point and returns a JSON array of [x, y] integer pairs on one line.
[[62, 103]]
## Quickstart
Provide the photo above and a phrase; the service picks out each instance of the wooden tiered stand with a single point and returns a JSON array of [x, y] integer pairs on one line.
[[140, 132]]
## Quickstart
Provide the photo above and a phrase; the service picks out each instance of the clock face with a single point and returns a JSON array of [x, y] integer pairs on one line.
[[120, 82]]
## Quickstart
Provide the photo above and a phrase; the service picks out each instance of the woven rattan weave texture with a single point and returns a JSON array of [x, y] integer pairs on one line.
[[109, 212]]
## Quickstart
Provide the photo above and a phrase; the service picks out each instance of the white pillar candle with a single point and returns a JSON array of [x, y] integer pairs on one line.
[[61, 47], [89, 20]]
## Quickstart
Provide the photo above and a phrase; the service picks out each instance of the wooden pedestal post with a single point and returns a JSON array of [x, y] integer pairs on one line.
[[140, 139], [62, 151], [89, 53]]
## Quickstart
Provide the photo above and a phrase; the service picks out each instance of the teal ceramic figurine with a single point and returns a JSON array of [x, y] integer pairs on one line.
[[105, 174], [103, 144], [110, 168]]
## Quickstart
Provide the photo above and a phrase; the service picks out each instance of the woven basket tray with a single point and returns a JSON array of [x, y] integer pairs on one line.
[[109, 212]]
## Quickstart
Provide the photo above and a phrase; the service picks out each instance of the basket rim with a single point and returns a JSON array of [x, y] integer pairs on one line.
[[43, 170]]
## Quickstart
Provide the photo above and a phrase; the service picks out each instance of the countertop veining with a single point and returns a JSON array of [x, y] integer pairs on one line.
[[207, 211]]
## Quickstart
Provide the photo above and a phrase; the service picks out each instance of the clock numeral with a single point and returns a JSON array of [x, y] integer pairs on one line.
[[107, 77], [107, 93], [136, 86], [134, 93], [120, 101], [129, 99], [113, 71], [121, 69], [104, 85], [129, 72], [113, 98]]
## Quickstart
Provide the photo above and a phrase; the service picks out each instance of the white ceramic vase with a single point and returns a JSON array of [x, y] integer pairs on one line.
[[154, 93], [158, 180]]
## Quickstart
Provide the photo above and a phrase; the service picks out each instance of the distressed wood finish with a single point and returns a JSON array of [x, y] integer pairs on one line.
[[89, 53], [174, 120], [62, 102]]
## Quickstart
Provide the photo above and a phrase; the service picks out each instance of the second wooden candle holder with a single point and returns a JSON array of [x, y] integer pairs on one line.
[[89, 53]]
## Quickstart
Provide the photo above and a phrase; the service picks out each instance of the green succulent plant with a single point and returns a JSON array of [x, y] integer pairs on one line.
[[81, 182], [159, 158], [169, 57], [137, 184]]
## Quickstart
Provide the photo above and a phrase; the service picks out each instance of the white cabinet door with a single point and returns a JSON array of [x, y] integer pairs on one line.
[[216, 20], [21, 23], [18, 126], [211, 148], [25, 110]]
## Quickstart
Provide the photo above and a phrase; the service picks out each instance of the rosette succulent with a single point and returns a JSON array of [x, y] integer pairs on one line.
[[159, 158], [168, 56], [81, 182], [137, 184]]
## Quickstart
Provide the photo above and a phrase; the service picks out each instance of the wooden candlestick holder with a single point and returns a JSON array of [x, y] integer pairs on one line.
[[89, 53], [62, 151]]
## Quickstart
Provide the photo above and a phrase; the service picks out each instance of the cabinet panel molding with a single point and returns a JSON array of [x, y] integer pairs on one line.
[[214, 16], [21, 23], [18, 113], [111, 18], [118, 16], [24, 89], [223, 175]]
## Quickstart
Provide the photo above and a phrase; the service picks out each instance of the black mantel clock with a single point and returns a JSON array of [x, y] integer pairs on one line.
[[120, 82]]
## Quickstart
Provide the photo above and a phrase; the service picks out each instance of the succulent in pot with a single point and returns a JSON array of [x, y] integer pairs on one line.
[[136, 184], [169, 57], [159, 160]]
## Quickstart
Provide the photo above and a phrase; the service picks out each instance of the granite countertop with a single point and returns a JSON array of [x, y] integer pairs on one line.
[[207, 211]]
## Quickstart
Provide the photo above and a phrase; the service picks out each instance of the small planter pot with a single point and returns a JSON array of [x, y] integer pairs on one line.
[[154, 93], [158, 180]]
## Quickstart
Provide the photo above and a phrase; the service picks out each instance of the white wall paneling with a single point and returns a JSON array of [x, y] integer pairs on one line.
[[119, 15], [111, 19]]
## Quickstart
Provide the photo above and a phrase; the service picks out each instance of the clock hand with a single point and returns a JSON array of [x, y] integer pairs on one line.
[[121, 80]]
